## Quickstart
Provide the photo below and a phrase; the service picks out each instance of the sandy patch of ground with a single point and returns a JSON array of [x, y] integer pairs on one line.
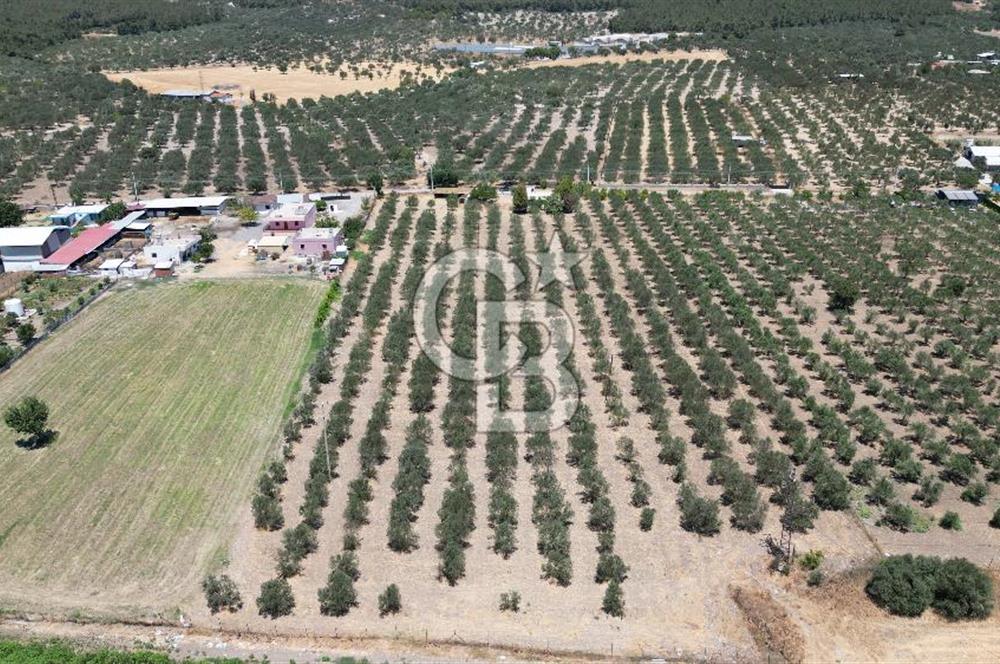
[[711, 55], [974, 6], [294, 84], [989, 33], [943, 136]]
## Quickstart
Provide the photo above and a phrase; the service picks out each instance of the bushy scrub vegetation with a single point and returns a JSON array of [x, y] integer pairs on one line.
[[908, 585]]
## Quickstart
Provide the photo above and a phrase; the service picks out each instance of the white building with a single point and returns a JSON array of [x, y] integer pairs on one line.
[[203, 206], [23, 247], [116, 267], [174, 250]]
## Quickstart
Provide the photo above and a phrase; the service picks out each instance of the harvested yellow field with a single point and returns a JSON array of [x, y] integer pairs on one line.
[[296, 83]]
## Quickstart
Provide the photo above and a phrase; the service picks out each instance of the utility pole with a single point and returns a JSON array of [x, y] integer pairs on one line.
[[588, 172], [52, 188], [135, 187]]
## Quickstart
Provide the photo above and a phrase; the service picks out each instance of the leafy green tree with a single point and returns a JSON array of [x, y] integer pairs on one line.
[[520, 199], [843, 293], [275, 599], [376, 182], [483, 191], [962, 591], [338, 596], [221, 594], [10, 214], [903, 585], [114, 212], [25, 333], [698, 515], [29, 417], [267, 513], [831, 491]]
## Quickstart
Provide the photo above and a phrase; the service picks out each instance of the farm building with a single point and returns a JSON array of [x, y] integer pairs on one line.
[[71, 215], [963, 197], [173, 250], [986, 157], [218, 96], [272, 244], [88, 243], [83, 246], [317, 242], [115, 267], [263, 202], [291, 217], [138, 230], [343, 206], [199, 206], [163, 269], [484, 49], [23, 248], [290, 199]]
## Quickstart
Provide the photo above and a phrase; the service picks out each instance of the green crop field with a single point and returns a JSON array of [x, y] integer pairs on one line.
[[167, 399]]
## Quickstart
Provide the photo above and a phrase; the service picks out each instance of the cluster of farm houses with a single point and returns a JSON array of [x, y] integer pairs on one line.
[[74, 236]]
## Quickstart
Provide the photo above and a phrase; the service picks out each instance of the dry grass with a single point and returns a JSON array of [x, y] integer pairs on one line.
[[296, 83], [773, 631], [166, 399]]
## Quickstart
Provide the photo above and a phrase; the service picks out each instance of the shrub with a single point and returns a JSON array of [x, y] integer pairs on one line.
[[995, 521], [510, 601], [863, 472], [267, 512], [338, 596], [389, 601], [811, 560], [831, 491], [610, 567], [903, 585], [898, 517], [906, 585], [951, 521], [698, 515], [799, 514], [275, 599], [815, 578], [962, 591], [648, 513], [975, 493], [614, 601], [221, 593]]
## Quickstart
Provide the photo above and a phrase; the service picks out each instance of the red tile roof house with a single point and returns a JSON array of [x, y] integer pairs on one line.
[[290, 218], [317, 242]]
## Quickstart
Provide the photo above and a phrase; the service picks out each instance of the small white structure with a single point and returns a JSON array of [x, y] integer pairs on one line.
[[538, 193], [174, 250], [115, 267], [14, 306], [290, 199], [272, 244]]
